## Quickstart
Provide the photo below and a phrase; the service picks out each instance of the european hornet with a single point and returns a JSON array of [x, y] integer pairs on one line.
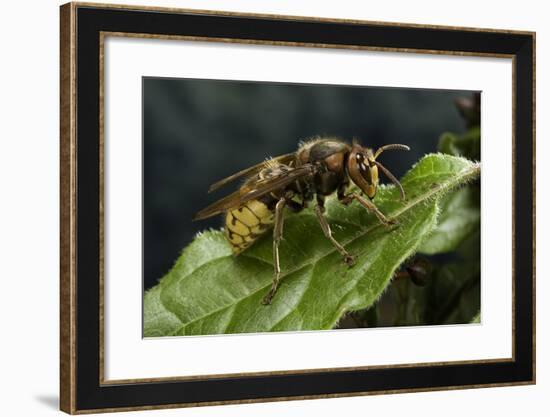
[[319, 168]]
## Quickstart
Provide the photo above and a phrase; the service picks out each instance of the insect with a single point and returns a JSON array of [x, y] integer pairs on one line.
[[319, 168]]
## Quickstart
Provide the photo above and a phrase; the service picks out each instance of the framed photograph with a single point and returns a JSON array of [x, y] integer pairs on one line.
[[264, 208]]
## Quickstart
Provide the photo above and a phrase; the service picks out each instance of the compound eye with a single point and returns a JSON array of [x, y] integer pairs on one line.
[[360, 174], [361, 163]]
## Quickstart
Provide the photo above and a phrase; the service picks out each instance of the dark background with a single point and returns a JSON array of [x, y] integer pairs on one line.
[[196, 132]]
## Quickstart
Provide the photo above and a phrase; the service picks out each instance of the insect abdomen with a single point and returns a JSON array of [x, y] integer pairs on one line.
[[245, 224]]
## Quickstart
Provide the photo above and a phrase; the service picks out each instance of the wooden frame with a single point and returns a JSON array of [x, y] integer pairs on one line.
[[83, 388]]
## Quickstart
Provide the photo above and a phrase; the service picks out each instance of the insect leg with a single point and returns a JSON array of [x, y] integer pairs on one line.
[[319, 209], [277, 236], [342, 190], [369, 205]]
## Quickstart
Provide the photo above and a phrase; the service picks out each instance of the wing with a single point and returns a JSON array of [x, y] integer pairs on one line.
[[254, 191], [248, 172]]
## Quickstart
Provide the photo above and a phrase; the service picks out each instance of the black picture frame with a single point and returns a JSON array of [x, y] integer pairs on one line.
[[82, 188]]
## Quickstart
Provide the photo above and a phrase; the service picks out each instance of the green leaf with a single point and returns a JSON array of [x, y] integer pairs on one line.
[[210, 291], [456, 293], [467, 145], [451, 294], [460, 216], [460, 211]]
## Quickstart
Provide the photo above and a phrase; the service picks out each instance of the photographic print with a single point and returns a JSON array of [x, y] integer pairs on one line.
[[273, 207], [269, 208]]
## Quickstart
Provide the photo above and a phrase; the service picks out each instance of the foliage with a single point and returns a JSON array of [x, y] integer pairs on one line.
[[211, 291], [450, 287], [461, 145], [460, 217]]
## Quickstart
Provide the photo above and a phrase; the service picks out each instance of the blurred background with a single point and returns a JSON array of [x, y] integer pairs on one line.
[[196, 132]]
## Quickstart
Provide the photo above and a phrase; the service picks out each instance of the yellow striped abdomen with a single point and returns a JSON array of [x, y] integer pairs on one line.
[[245, 224]]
